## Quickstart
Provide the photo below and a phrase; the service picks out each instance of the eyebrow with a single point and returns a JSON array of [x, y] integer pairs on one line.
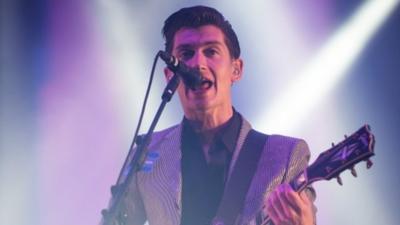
[[185, 46]]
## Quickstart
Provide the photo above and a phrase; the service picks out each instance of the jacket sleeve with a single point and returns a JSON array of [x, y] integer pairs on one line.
[[297, 163], [134, 207], [131, 210]]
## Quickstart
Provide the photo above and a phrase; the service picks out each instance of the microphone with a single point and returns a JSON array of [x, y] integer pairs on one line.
[[190, 76]]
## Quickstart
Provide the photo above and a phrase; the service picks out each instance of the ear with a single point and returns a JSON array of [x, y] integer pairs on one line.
[[168, 74], [237, 70]]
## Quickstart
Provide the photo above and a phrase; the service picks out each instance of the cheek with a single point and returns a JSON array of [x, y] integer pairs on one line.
[[181, 90], [224, 86], [228, 79]]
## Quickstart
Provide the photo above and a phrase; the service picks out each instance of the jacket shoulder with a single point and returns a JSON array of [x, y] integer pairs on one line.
[[170, 132]]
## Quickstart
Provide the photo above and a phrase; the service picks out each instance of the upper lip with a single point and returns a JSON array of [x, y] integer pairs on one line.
[[204, 81]]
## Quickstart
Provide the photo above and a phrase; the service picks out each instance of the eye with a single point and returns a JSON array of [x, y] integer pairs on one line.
[[185, 54], [210, 52]]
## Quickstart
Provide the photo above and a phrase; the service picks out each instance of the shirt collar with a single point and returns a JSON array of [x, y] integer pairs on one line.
[[227, 135]]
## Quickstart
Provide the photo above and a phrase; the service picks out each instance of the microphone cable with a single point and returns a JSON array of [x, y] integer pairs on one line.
[[140, 117]]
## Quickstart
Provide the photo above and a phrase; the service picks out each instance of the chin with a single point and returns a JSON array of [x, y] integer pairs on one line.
[[201, 107], [205, 107]]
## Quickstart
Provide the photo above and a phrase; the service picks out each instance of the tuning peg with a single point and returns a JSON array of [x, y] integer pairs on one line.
[[353, 171], [345, 136], [369, 163], [339, 180], [333, 144]]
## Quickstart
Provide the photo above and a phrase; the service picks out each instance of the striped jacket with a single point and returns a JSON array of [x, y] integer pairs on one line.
[[155, 196]]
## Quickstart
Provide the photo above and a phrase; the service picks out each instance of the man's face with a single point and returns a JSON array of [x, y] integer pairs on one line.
[[204, 48]]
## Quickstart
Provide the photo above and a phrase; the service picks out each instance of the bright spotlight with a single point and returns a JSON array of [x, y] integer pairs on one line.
[[288, 110]]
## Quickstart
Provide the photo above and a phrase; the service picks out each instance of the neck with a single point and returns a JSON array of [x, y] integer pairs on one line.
[[208, 121]]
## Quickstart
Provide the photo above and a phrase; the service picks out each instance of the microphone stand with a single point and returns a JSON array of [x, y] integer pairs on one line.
[[115, 214]]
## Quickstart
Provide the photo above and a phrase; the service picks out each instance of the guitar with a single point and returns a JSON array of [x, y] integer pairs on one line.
[[329, 164]]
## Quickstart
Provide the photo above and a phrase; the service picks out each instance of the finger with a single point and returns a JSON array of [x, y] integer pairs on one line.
[[271, 212], [285, 213], [286, 205], [291, 211], [304, 197], [276, 205], [302, 204], [293, 199]]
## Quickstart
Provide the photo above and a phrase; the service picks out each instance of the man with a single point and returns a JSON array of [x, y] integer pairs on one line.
[[192, 161]]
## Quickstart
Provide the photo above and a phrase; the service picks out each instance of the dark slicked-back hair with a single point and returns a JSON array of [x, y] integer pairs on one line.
[[197, 16]]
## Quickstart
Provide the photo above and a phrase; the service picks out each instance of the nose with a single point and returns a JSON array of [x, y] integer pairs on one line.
[[198, 60]]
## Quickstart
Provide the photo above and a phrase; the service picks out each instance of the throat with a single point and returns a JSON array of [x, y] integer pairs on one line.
[[209, 121]]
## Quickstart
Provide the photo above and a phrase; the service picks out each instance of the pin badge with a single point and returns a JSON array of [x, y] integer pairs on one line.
[[148, 164]]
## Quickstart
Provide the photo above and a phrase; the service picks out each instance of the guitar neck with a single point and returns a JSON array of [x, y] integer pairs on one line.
[[332, 162]]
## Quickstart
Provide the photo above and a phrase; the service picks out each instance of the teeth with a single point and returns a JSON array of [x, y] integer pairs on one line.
[[206, 84]]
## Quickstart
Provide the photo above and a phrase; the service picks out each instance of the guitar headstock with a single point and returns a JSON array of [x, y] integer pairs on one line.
[[344, 155]]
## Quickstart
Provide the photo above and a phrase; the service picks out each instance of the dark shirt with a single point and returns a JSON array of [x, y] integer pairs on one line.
[[203, 182]]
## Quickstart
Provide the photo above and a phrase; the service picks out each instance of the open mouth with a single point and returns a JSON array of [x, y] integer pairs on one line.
[[205, 85]]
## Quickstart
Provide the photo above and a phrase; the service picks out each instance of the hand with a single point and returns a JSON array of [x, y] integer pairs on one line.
[[287, 207]]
